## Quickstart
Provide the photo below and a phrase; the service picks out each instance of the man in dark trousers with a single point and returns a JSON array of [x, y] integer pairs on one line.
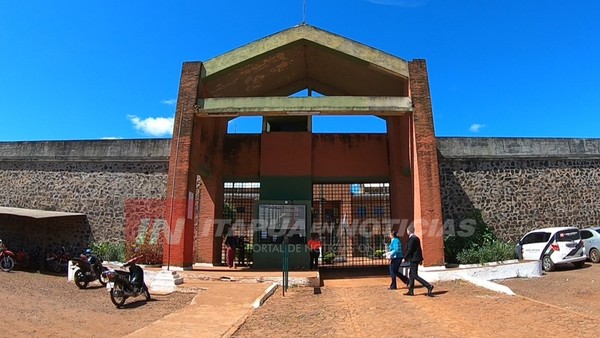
[[414, 256]]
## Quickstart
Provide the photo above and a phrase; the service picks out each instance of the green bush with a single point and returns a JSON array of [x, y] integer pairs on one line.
[[495, 251], [379, 253], [329, 257], [482, 235], [109, 251], [249, 252], [229, 213]]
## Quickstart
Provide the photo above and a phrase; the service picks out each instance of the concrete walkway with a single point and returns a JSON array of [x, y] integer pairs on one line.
[[216, 311], [226, 297]]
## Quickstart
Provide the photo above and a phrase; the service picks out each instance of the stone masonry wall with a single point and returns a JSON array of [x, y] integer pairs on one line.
[[521, 184], [96, 178], [99, 190], [518, 184]]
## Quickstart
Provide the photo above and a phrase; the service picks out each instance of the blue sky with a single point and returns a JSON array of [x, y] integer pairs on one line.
[[73, 70]]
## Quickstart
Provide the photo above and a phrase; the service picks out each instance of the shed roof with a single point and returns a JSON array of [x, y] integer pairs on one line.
[[36, 213]]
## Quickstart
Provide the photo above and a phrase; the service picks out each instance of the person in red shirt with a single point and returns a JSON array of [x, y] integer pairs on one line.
[[314, 245]]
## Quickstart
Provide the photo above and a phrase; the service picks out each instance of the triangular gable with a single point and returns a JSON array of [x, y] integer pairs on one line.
[[305, 57]]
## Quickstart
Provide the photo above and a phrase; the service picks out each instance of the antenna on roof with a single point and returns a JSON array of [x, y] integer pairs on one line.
[[304, 12]]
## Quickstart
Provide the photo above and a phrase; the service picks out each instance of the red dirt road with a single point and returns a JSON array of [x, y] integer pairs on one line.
[[38, 305], [459, 309], [564, 302]]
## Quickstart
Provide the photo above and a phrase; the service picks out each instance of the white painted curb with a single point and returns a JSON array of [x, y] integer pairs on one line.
[[268, 293], [489, 285]]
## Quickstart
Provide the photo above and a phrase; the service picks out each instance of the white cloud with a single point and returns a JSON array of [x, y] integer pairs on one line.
[[111, 138], [169, 101], [400, 3], [476, 127], [153, 126]]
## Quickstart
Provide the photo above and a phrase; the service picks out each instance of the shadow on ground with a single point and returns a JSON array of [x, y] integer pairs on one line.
[[351, 273]]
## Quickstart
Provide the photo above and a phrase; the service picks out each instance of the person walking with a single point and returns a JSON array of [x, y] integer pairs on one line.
[[414, 256], [241, 245], [395, 255], [231, 243], [314, 246]]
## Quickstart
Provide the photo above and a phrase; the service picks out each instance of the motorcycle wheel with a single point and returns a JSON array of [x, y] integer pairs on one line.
[[7, 263], [103, 279], [117, 296], [147, 293], [80, 279]]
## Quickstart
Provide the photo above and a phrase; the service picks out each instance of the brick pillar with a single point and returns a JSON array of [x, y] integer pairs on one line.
[[181, 185], [401, 190], [210, 208], [208, 157], [426, 181]]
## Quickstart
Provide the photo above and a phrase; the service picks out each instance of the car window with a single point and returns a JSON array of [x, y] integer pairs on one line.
[[597, 230], [585, 234], [529, 238], [567, 235], [536, 237]]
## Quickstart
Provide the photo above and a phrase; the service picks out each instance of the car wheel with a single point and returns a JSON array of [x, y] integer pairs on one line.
[[595, 255], [547, 263]]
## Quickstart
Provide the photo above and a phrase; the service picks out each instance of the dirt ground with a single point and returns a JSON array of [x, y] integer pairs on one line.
[[560, 303], [40, 305]]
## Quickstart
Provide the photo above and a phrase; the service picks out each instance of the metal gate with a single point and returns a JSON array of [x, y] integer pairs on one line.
[[238, 206], [353, 222]]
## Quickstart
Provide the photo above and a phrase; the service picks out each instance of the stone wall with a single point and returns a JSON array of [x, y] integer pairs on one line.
[[96, 178], [521, 184], [518, 184]]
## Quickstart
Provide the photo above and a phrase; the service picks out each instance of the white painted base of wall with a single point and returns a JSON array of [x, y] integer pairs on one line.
[[496, 271], [489, 285], [71, 268], [165, 282], [483, 275]]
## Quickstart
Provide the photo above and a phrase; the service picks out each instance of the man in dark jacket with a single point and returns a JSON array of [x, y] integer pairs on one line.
[[414, 255]]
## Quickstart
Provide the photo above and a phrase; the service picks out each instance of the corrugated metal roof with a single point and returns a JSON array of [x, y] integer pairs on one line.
[[36, 213]]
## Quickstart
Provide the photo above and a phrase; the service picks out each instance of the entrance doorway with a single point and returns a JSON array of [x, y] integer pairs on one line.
[[353, 221]]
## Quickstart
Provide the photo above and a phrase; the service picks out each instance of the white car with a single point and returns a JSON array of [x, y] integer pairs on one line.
[[554, 246], [591, 241]]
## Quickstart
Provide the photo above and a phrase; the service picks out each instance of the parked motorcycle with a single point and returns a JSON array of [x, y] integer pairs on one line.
[[124, 284], [7, 263], [90, 269], [26, 261], [57, 261], [7, 258]]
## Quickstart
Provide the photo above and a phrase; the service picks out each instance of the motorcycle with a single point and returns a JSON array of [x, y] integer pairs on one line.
[[57, 261], [124, 284], [7, 259], [25, 261], [90, 269]]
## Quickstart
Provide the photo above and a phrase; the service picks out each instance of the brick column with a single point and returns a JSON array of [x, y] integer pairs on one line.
[[208, 157], [401, 190], [426, 181], [181, 185]]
